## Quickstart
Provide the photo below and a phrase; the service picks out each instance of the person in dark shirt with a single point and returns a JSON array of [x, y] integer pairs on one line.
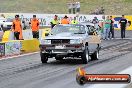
[[123, 23], [95, 21], [111, 28]]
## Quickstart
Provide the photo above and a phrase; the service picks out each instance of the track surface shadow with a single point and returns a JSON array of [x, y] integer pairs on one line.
[[68, 61]]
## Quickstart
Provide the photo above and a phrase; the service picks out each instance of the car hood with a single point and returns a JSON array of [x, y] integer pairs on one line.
[[66, 36]]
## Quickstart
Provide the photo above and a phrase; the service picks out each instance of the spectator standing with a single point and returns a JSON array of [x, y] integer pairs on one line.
[[35, 27], [106, 28], [97, 11], [95, 21], [24, 26], [69, 4], [101, 11], [78, 7], [65, 20], [74, 6], [111, 28], [17, 27], [55, 21], [123, 23], [101, 26], [102, 23], [74, 21]]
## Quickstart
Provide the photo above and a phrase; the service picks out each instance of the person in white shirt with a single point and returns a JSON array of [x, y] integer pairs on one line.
[[74, 7], [78, 7], [69, 4]]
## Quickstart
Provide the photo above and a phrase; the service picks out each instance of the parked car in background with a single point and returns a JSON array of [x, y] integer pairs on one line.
[[7, 24], [2, 20]]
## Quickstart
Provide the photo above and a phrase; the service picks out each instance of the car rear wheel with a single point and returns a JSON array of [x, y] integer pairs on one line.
[[44, 58], [95, 55], [85, 55]]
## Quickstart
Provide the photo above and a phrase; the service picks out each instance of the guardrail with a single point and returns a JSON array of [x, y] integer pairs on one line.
[[9, 47]]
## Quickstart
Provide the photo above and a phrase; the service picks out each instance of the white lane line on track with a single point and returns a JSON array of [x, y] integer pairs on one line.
[[126, 71], [5, 58]]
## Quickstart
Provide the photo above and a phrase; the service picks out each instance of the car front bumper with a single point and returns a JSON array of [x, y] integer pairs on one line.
[[66, 50]]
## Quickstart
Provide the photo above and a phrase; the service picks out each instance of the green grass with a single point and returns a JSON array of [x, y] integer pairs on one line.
[[59, 6]]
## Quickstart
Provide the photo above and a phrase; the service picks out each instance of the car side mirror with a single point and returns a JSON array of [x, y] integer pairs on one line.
[[23, 22], [47, 34]]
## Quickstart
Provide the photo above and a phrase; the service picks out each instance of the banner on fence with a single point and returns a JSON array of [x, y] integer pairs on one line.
[[12, 48], [2, 49]]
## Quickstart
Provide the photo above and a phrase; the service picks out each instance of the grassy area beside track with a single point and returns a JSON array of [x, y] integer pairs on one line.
[[59, 6]]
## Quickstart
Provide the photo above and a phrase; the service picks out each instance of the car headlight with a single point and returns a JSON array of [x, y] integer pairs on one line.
[[45, 41], [75, 41]]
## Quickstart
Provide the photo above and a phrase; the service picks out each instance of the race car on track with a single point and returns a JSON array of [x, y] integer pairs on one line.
[[70, 41]]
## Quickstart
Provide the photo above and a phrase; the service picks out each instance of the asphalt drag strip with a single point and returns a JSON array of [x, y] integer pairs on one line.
[[29, 72]]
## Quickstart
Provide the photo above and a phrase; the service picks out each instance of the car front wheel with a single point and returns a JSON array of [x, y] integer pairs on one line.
[[95, 55], [85, 55], [44, 58]]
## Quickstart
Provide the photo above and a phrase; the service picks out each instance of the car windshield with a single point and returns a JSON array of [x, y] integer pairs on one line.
[[75, 29]]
